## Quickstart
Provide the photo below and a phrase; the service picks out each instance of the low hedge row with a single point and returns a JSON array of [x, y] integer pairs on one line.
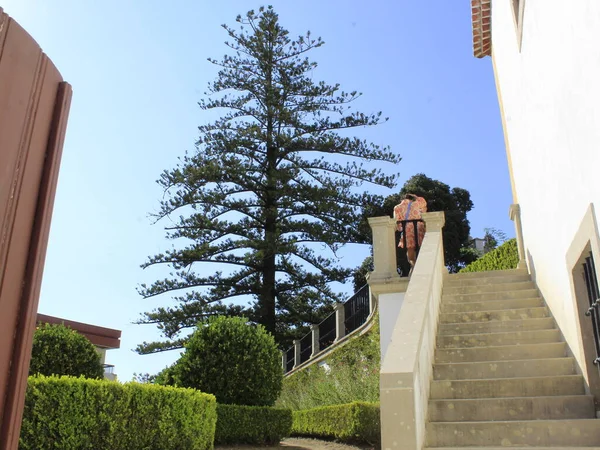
[[502, 258], [356, 422], [76, 413], [252, 424]]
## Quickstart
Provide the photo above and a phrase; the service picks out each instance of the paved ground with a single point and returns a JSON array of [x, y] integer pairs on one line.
[[299, 444]]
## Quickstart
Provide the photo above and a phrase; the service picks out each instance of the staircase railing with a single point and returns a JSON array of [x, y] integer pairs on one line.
[[407, 364], [347, 318]]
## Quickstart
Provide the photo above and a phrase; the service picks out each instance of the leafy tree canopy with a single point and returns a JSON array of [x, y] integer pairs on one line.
[[455, 202], [271, 193]]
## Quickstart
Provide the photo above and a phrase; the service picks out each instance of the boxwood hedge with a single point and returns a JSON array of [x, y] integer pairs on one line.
[[76, 413]]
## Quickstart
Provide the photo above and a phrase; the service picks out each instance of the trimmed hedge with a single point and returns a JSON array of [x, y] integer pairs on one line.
[[260, 425], [354, 422], [76, 413], [59, 350], [502, 258]]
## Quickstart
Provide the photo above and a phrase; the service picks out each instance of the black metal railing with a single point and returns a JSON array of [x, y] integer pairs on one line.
[[410, 226], [327, 332], [305, 348], [108, 368], [356, 312], [290, 356], [591, 282], [356, 309]]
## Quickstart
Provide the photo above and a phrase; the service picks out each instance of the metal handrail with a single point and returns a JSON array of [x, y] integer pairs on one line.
[[355, 304]]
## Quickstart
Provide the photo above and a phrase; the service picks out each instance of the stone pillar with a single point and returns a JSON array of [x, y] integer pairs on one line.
[[315, 340], [372, 301], [296, 353], [340, 326], [384, 249], [514, 213]]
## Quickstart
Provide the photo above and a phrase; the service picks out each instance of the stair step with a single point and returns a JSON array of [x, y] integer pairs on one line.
[[454, 281], [504, 369], [492, 305], [497, 339], [515, 408], [501, 353], [487, 296], [507, 387], [482, 288], [572, 433], [512, 448], [487, 274], [543, 323], [486, 316]]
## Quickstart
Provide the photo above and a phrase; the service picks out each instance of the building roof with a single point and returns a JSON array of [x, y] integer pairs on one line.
[[99, 336], [481, 17]]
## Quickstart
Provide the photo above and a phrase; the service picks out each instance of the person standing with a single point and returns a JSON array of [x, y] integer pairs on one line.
[[411, 208]]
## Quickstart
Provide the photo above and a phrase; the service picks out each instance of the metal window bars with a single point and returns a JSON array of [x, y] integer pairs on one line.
[[591, 282]]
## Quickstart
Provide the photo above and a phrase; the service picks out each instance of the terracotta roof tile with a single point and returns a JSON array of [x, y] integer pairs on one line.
[[481, 16]]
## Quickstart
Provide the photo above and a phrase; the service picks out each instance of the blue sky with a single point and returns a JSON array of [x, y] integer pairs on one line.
[[138, 68]]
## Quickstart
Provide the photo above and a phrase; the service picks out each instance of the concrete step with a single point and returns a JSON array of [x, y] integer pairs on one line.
[[492, 305], [501, 353], [488, 296], [486, 316], [573, 433], [482, 288], [512, 448], [504, 369], [454, 281], [497, 339], [507, 387], [515, 408], [488, 274], [543, 323]]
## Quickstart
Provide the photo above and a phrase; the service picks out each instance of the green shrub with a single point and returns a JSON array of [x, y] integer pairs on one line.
[[259, 425], [353, 375], [504, 257], [58, 350], [76, 413], [354, 422], [237, 362]]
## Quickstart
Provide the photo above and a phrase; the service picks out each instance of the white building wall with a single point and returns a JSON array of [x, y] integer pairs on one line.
[[550, 93]]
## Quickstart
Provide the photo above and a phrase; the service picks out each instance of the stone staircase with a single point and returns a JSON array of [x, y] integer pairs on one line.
[[501, 376]]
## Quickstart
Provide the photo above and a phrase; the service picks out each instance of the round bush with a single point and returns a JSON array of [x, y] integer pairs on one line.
[[237, 362], [58, 350]]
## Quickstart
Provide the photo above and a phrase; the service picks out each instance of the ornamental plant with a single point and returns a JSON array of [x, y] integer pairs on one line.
[[238, 362], [58, 350]]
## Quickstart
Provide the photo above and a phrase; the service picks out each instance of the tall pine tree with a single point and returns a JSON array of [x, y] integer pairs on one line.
[[270, 194]]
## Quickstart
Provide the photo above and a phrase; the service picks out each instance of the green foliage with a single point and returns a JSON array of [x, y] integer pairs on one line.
[[58, 350], [355, 422], [455, 202], [492, 238], [281, 160], [504, 257], [359, 278], [259, 425], [353, 375], [75, 414], [237, 362]]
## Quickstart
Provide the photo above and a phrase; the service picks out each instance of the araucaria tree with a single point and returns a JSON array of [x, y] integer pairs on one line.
[[269, 195]]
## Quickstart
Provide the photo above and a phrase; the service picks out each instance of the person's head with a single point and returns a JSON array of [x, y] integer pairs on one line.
[[410, 197]]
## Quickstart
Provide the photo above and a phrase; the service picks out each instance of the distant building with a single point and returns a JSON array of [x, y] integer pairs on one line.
[[103, 338], [478, 244]]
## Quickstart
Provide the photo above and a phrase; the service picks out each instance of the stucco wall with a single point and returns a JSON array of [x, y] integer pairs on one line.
[[550, 94]]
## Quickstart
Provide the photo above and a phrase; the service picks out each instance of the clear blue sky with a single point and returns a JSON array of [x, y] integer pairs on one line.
[[138, 67]]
